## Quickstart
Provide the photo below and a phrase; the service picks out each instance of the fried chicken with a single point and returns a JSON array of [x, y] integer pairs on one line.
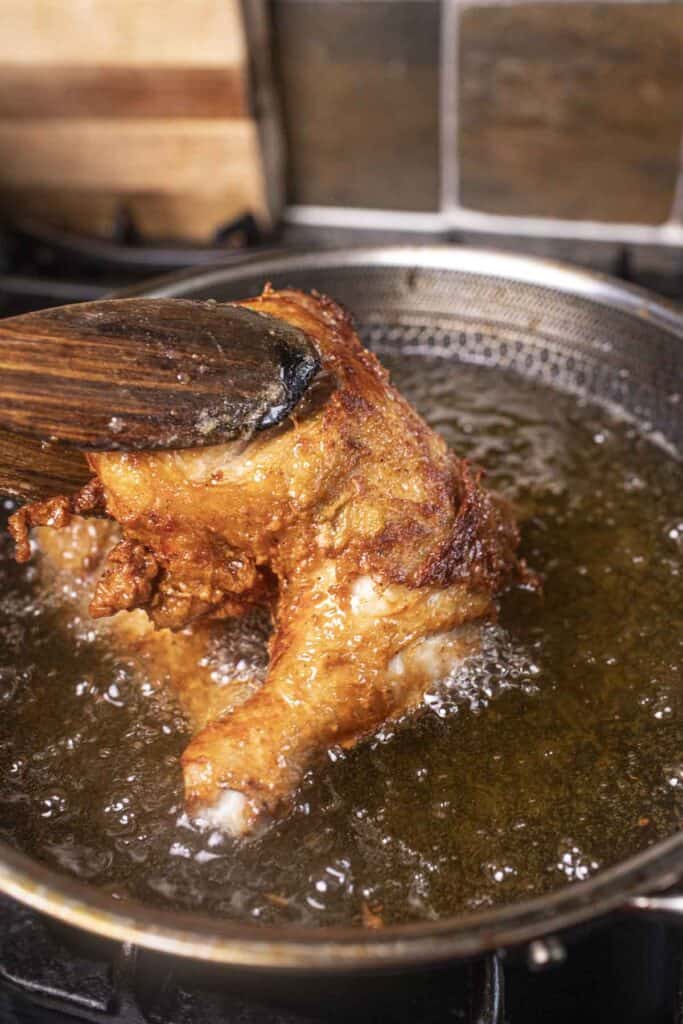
[[210, 666], [374, 547]]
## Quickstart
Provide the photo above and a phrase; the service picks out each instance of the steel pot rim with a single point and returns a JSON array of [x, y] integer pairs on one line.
[[517, 268], [202, 937]]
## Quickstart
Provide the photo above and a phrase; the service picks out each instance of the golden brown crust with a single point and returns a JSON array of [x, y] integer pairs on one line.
[[480, 547], [55, 512], [186, 577], [127, 581]]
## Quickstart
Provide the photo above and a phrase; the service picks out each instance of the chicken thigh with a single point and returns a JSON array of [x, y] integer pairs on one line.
[[375, 548]]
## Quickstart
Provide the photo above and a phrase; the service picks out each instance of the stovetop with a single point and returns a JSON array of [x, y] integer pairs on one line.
[[621, 971], [628, 972], [41, 266]]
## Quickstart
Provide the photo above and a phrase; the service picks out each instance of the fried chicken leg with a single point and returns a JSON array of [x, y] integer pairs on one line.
[[373, 545]]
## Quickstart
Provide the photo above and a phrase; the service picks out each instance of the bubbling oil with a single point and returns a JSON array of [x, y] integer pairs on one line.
[[552, 753]]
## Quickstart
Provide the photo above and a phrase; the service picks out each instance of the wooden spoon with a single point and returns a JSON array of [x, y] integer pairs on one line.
[[141, 374]]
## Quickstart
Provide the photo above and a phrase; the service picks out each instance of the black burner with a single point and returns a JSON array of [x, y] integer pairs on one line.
[[41, 267], [46, 976]]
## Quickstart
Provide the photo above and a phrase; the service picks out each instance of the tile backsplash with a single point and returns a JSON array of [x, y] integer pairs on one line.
[[571, 110], [360, 89], [557, 118]]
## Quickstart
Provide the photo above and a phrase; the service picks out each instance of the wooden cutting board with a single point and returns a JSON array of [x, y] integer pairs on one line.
[[163, 109]]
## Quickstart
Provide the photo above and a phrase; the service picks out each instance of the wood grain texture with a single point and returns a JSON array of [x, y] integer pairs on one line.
[[176, 178], [87, 213], [571, 110], [180, 178], [149, 373], [126, 92], [123, 32], [151, 106], [190, 216], [128, 155], [196, 215], [30, 470]]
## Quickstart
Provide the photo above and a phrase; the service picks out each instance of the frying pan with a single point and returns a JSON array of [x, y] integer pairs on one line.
[[570, 329]]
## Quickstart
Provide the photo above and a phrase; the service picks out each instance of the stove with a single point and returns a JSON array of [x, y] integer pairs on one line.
[[625, 972], [619, 971]]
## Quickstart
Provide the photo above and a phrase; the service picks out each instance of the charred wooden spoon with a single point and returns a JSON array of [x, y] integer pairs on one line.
[[141, 374]]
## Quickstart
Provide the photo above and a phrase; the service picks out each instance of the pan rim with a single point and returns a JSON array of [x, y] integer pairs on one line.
[[338, 949], [515, 267], [330, 949]]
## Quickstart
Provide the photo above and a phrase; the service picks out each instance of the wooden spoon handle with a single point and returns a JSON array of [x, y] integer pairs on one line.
[[30, 470], [135, 374]]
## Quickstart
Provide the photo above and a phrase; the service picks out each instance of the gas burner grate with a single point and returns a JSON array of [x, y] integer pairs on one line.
[[51, 974], [42, 266]]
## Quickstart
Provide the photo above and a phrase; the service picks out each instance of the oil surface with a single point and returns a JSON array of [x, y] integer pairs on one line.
[[554, 752]]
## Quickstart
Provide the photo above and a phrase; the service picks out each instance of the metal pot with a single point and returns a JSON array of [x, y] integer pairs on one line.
[[571, 329]]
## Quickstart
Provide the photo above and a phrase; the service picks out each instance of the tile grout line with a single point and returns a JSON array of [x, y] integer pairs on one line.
[[449, 59], [458, 217], [676, 214]]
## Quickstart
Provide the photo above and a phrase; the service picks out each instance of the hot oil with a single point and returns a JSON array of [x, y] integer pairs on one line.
[[551, 754]]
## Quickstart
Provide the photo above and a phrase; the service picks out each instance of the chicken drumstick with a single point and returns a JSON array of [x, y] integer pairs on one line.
[[373, 545]]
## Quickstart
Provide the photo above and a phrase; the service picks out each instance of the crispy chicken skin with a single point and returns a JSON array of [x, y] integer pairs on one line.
[[373, 545]]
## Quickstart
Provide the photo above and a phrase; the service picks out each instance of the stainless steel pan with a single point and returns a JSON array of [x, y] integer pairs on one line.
[[571, 329]]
